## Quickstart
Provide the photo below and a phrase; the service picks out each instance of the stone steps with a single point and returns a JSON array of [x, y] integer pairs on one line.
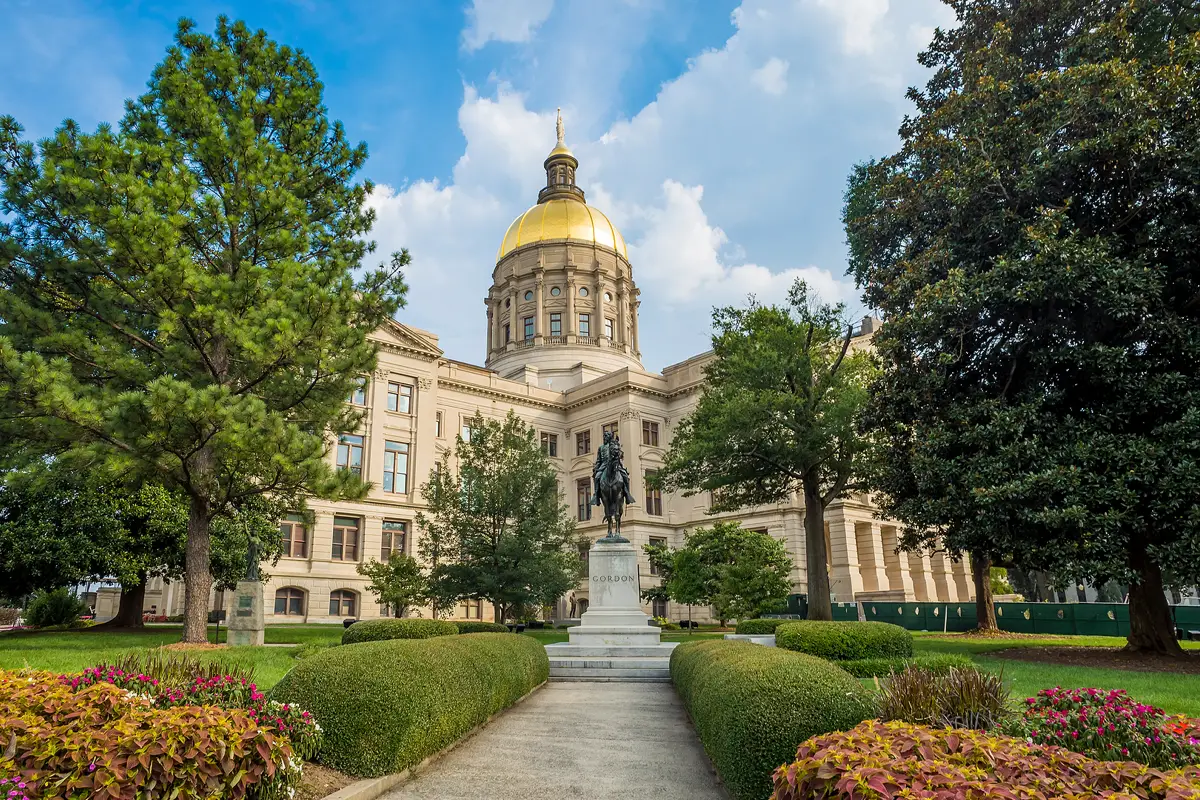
[[638, 663]]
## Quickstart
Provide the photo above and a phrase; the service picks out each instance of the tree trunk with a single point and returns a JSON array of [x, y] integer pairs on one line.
[[985, 611], [1151, 629], [129, 611], [816, 558], [197, 573]]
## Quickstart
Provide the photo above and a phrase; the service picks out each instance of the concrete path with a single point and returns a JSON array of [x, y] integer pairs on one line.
[[577, 741]]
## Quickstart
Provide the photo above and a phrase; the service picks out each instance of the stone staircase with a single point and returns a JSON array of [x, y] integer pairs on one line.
[[633, 663]]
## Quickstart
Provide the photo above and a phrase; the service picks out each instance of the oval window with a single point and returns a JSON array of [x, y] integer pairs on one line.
[[583, 291], [608, 297], [529, 295], [555, 292]]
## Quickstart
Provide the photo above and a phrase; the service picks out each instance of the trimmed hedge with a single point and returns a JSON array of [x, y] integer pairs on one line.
[[760, 627], [752, 706], [845, 641], [385, 706], [481, 627], [377, 630], [937, 663]]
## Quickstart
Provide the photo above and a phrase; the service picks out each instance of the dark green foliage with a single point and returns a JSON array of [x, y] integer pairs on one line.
[[845, 641], [752, 706], [959, 697], [937, 663], [400, 582], [375, 630], [55, 607], [385, 706], [481, 627], [761, 627]]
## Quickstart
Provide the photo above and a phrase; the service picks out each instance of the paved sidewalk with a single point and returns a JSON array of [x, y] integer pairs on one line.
[[577, 741]]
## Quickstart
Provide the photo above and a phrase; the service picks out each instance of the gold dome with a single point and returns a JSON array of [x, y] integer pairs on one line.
[[562, 218]]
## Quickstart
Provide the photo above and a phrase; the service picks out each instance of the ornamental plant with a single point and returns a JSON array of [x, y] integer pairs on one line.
[[1107, 725]]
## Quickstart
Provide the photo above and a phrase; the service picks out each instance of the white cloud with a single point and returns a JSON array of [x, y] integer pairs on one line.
[[504, 21], [859, 20], [771, 77]]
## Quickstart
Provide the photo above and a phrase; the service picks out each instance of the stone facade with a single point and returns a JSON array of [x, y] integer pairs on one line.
[[569, 376]]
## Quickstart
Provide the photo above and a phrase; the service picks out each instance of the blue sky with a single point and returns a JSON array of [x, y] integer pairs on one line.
[[716, 134]]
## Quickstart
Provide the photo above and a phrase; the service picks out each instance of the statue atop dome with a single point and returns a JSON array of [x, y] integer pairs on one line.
[[558, 128]]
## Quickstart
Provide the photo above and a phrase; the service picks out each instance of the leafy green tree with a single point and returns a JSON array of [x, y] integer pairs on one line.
[[177, 294], [1033, 248], [400, 582], [777, 415], [495, 528]]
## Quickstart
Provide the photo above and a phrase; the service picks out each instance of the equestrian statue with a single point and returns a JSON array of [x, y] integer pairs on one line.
[[612, 485]]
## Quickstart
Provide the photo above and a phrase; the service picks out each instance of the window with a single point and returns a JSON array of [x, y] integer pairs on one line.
[[507, 334], [394, 536], [399, 397], [529, 295], [466, 432], [583, 496], [395, 467], [650, 433], [345, 539], [656, 542], [609, 427], [585, 324], [653, 496], [556, 324], [583, 292], [342, 603], [585, 552], [350, 453], [583, 443], [473, 609], [555, 291], [608, 297], [550, 444], [295, 536], [358, 396], [290, 602], [437, 424], [659, 607], [528, 327], [608, 328]]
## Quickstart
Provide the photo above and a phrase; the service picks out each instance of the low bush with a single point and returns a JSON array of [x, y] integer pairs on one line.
[[385, 706], [377, 630], [937, 663], [101, 741], [1106, 725], [54, 608], [845, 641], [957, 697], [752, 706], [481, 627], [895, 759], [760, 627]]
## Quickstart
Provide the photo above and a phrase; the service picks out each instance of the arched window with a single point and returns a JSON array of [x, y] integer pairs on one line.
[[289, 602], [343, 603]]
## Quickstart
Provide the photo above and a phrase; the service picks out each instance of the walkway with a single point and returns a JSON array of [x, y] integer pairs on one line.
[[577, 741]]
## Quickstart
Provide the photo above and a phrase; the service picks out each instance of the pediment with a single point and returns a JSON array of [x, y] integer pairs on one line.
[[410, 340]]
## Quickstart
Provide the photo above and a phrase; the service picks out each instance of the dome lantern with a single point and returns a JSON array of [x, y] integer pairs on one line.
[[560, 170]]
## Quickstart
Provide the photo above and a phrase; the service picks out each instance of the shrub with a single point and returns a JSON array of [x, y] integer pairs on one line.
[[957, 697], [481, 627], [376, 630], [104, 741], [1106, 725], [752, 705], [54, 608], [760, 627], [896, 759], [845, 641], [938, 663], [384, 706]]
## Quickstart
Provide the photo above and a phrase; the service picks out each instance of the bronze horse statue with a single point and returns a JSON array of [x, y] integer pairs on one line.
[[612, 485]]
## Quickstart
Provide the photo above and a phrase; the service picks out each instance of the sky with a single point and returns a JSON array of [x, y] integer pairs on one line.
[[716, 135]]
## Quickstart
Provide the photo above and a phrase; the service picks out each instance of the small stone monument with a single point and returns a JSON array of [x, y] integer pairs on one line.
[[245, 622], [614, 615]]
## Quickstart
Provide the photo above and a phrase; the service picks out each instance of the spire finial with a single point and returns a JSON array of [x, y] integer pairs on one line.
[[558, 127]]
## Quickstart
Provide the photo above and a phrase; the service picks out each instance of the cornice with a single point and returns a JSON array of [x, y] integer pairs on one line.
[[496, 394]]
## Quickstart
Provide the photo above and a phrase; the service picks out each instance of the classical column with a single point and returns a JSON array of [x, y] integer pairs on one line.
[[598, 306], [572, 324], [512, 315], [961, 571], [872, 564], [946, 591], [845, 581], [918, 566], [622, 316], [637, 350], [487, 351], [498, 331], [898, 574], [539, 329]]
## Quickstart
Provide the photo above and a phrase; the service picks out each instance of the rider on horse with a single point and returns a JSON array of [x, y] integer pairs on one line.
[[610, 450]]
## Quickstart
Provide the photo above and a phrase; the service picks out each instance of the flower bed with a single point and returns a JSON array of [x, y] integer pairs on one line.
[[878, 760], [104, 741]]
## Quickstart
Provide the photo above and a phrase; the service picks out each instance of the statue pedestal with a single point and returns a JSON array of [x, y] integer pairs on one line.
[[245, 615]]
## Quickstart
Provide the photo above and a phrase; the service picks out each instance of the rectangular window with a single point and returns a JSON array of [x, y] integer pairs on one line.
[[399, 397], [507, 334], [350, 453], [295, 536], [466, 432], [583, 497], [656, 542], [473, 609], [650, 433], [556, 324], [358, 396], [550, 444], [585, 324], [608, 328], [395, 467], [528, 327], [583, 443], [609, 427], [345, 539], [659, 607], [653, 496], [585, 552], [437, 424], [342, 604], [395, 535]]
